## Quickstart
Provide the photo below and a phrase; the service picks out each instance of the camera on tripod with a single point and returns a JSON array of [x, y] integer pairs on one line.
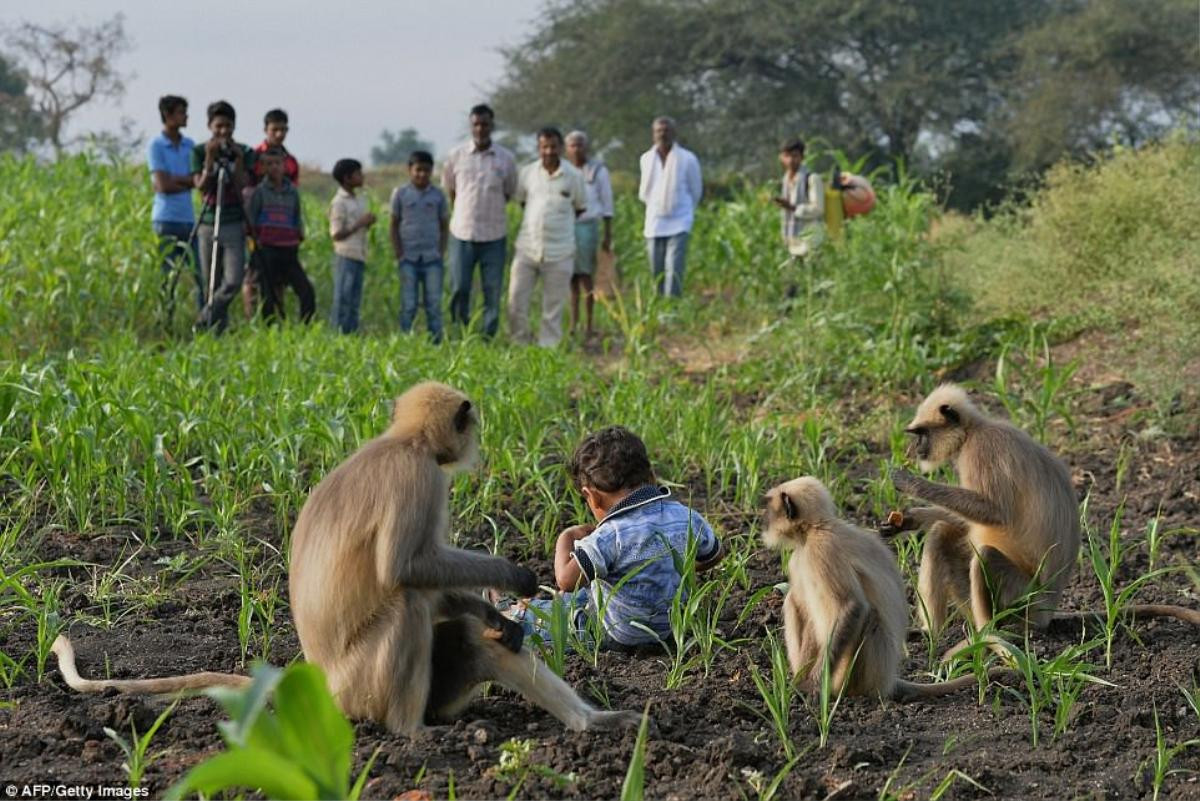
[[224, 158]]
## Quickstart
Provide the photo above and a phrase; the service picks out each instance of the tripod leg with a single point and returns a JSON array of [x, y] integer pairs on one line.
[[207, 314]]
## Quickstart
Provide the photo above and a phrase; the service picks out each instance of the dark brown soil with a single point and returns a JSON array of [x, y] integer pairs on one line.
[[711, 741]]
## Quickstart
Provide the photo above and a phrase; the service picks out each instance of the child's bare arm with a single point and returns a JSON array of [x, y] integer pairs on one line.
[[567, 573]]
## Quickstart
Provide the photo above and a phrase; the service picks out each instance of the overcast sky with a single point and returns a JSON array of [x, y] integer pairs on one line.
[[344, 70]]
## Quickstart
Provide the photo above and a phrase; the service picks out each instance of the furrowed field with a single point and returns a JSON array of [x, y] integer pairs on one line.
[[149, 480]]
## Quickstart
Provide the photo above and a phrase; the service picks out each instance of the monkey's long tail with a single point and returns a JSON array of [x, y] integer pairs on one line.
[[167, 684], [1143, 611], [912, 691]]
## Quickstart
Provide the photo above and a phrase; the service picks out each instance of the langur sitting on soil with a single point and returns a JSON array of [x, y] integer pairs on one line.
[[1008, 535], [845, 609]]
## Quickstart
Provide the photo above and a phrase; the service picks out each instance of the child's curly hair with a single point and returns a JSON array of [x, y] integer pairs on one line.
[[611, 459]]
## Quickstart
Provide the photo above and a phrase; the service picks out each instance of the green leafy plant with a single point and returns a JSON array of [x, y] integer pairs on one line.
[[1160, 763], [1105, 563], [137, 747], [827, 701], [516, 764], [777, 691], [633, 788], [299, 750]]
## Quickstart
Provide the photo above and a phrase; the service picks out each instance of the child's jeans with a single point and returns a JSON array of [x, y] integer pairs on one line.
[[536, 617], [421, 278], [347, 292]]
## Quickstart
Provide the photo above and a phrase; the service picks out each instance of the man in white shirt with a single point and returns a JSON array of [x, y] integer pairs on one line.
[[671, 189], [479, 177], [553, 194]]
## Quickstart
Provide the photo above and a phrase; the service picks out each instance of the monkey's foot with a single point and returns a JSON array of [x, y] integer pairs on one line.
[[607, 721]]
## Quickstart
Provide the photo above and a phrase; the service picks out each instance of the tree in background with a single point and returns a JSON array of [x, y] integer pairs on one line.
[[20, 126], [68, 67], [394, 148], [939, 83], [1124, 70]]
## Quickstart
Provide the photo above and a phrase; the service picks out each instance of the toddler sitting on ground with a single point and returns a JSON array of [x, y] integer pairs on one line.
[[641, 531]]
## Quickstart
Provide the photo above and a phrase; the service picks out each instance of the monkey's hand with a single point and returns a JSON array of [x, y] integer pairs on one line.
[[508, 633], [524, 582], [897, 522], [906, 481]]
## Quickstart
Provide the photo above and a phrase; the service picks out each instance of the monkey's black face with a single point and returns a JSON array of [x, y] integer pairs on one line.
[[924, 442]]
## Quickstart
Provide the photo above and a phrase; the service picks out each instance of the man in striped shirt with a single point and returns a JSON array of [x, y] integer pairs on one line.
[[479, 176]]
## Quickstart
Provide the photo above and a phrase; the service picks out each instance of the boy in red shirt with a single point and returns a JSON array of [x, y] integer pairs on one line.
[[277, 225], [275, 130]]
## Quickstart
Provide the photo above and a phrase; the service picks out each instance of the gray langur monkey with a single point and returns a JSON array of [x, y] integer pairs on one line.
[[845, 602], [382, 602], [1010, 529], [387, 607]]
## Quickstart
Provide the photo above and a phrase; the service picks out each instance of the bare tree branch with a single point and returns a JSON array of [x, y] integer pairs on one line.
[[69, 67]]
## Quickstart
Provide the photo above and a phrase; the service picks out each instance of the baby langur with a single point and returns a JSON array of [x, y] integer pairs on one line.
[[845, 602], [1009, 530]]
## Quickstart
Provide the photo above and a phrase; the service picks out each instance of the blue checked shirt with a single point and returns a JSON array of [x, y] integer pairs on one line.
[[642, 529]]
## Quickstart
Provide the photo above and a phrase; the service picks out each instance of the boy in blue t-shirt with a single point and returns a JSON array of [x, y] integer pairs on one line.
[[169, 159], [639, 526]]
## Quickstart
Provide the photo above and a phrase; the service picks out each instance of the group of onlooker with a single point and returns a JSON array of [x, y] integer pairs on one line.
[[249, 200], [250, 204]]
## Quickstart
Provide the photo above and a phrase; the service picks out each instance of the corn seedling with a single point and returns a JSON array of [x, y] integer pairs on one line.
[[827, 702], [1105, 563], [1192, 697], [137, 747], [1054, 684], [633, 788], [777, 691], [1159, 765], [764, 789]]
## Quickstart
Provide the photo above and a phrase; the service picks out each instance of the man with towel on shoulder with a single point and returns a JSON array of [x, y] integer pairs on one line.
[[671, 189]]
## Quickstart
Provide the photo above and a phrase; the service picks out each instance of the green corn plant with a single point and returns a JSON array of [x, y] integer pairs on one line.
[[1053, 684], [1192, 697], [1159, 765], [634, 786], [1105, 564], [777, 691], [300, 750], [827, 701], [765, 790], [137, 747]]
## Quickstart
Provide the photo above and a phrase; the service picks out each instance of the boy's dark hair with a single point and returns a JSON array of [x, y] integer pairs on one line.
[[169, 104], [793, 146], [275, 150], [550, 132], [611, 459], [483, 109], [420, 157], [221, 108], [275, 115], [344, 169]]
